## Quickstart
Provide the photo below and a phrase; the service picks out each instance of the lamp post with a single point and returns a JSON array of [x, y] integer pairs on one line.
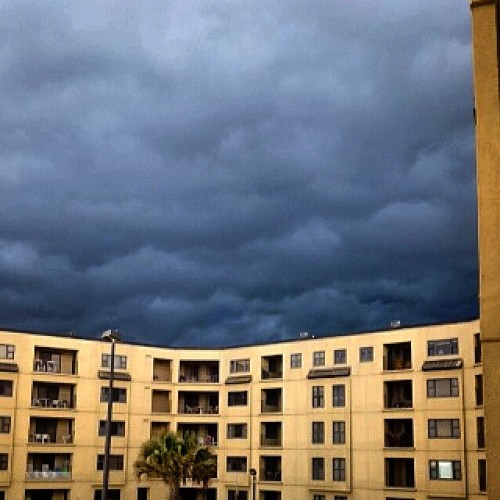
[[253, 473], [113, 337]]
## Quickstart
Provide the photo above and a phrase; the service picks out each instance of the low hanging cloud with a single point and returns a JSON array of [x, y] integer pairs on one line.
[[215, 173]]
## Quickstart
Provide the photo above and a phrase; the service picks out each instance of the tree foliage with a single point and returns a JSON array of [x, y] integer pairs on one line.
[[174, 459]]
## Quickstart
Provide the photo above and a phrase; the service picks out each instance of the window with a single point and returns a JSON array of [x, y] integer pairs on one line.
[[236, 464], [444, 428], [112, 494], [478, 354], [4, 461], [238, 398], [120, 361], [119, 394], [115, 462], [239, 365], [442, 347], [319, 497], [442, 387], [318, 469], [479, 390], [400, 472], [481, 442], [296, 360], [237, 495], [339, 497], [340, 356], [481, 473], [117, 428], [339, 469], [319, 358], [318, 432], [142, 493], [4, 425], [318, 396], [236, 431], [339, 396], [365, 354], [445, 469], [6, 388], [7, 351], [339, 432]]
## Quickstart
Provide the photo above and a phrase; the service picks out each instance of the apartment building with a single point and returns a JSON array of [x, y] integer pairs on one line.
[[390, 415]]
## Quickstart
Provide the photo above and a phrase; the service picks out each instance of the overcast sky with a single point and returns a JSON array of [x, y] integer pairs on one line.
[[222, 172]]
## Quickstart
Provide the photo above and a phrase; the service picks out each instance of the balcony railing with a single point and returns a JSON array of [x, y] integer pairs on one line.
[[200, 410], [50, 439], [271, 475], [50, 403], [266, 375], [265, 441], [48, 475], [202, 379]]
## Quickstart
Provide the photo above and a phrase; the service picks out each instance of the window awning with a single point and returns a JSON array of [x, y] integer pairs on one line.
[[239, 379], [329, 372], [9, 367], [103, 374], [442, 364]]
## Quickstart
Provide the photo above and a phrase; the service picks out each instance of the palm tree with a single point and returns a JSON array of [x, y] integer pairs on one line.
[[204, 468], [169, 457]]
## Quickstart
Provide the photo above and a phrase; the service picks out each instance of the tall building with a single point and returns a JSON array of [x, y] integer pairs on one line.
[[394, 414], [486, 51]]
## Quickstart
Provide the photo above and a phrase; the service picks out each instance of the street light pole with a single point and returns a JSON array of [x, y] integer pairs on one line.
[[113, 337], [253, 473]]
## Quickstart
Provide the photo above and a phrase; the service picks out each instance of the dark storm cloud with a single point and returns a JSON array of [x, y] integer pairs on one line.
[[222, 172]]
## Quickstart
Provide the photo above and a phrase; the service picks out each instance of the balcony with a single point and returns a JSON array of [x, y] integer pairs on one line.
[[398, 433], [158, 428], [51, 431], [200, 403], [50, 360], [399, 473], [206, 434], [53, 396], [162, 370], [272, 367], [161, 401], [271, 401], [397, 356], [270, 469], [398, 394], [199, 372], [270, 434], [48, 467]]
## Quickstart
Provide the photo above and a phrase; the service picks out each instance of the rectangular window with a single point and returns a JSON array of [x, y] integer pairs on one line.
[[339, 497], [442, 387], [339, 396], [340, 356], [319, 358], [296, 360], [115, 462], [5, 425], [236, 431], [481, 442], [339, 432], [239, 365], [478, 355], [443, 347], [479, 390], [237, 398], [318, 396], [318, 469], [481, 473], [7, 351], [445, 469], [339, 469], [443, 428], [236, 464], [119, 394], [237, 495], [400, 472], [120, 361], [117, 428], [365, 354], [318, 432], [319, 497], [4, 461], [6, 388]]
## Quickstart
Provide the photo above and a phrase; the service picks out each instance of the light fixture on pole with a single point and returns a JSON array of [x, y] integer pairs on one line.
[[253, 473], [113, 337]]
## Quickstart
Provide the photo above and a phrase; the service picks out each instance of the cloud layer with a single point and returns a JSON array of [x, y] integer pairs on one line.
[[222, 172]]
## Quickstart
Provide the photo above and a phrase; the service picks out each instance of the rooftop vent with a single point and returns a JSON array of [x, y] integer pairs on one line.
[[396, 323]]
